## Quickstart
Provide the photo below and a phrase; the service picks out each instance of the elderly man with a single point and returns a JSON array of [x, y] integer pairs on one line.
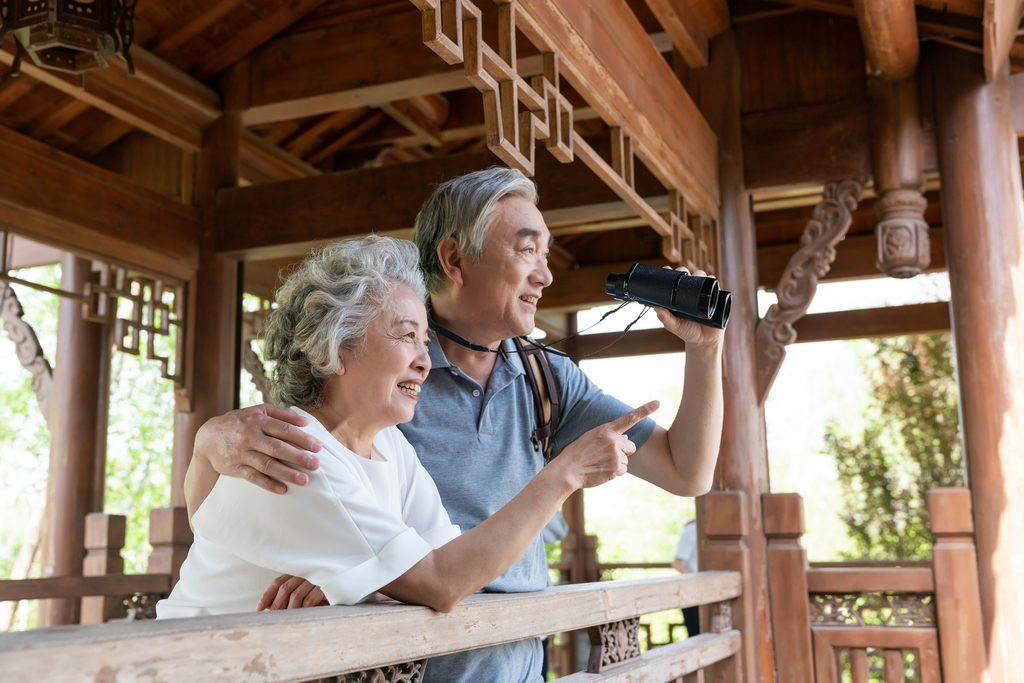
[[483, 249]]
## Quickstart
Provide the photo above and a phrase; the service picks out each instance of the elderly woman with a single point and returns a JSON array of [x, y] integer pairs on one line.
[[349, 342]]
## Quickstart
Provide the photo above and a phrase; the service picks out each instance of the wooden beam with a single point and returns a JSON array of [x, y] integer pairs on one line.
[[889, 31], [871, 323], [252, 36], [684, 660], [606, 54], [204, 20], [813, 144], [343, 67], [80, 586], [288, 218], [241, 647], [855, 259], [57, 199], [877, 580], [262, 161], [688, 35], [159, 99], [999, 24]]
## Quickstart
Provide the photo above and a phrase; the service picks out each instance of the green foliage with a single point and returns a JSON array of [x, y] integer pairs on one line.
[[910, 445]]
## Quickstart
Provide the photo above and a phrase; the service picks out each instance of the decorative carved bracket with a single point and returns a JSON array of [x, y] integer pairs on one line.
[[28, 349], [831, 219], [614, 644], [721, 617], [409, 672]]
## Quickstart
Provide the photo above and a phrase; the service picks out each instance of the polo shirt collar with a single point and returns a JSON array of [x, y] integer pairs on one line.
[[438, 360]]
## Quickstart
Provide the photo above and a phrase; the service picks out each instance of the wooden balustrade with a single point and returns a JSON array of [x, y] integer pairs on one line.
[[888, 607], [106, 592], [308, 644]]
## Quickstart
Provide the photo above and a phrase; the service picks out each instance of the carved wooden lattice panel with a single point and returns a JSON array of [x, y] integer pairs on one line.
[[517, 113], [873, 609], [132, 301], [28, 349], [408, 672], [614, 644]]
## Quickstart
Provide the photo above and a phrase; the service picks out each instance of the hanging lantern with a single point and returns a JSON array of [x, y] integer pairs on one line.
[[74, 36]]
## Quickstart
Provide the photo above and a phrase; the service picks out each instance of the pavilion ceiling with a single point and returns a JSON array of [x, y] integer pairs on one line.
[[347, 85]]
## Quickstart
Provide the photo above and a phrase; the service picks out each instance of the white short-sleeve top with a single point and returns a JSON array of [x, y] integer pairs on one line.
[[354, 528]]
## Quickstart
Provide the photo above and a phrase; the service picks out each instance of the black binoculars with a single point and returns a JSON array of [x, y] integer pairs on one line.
[[686, 296]]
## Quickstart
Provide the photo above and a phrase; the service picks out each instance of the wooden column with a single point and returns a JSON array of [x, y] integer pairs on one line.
[[171, 536], [104, 540], [983, 219], [743, 459], [957, 594], [787, 585], [726, 525], [214, 348], [75, 432]]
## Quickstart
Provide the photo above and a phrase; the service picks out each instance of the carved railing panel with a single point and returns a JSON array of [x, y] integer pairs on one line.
[[614, 644], [831, 219], [517, 113], [252, 326], [408, 672]]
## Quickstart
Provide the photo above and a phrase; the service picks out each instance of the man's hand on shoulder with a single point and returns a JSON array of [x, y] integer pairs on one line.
[[258, 444]]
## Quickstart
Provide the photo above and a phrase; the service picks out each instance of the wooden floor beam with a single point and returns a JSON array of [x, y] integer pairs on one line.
[[57, 199]]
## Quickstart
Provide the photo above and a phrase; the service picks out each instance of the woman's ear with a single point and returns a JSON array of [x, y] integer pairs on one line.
[[450, 256], [342, 357]]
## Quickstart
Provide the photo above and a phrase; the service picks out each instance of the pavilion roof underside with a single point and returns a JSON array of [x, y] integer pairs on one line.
[[314, 65]]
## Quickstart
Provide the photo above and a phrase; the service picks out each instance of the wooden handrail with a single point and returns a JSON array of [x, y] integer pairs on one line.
[[871, 580], [305, 644], [669, 662], [84, 586], [870, 563]]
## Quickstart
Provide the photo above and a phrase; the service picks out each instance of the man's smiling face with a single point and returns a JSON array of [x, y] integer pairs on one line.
[[502, 290]]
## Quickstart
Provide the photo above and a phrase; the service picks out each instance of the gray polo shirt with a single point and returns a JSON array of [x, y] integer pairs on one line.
[[476, 445]]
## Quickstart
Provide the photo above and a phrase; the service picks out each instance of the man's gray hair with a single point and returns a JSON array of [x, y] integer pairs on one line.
[[462, 208], [327, 304]]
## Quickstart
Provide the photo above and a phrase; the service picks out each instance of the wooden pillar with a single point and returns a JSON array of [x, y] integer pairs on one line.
[[75, 432], [213, 346], [171, 536], [743, 458], [104, 540], [983, 220], [726, 525], [957, 594], [787, 585]]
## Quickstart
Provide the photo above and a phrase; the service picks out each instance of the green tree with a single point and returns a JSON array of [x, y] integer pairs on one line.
[[910, 445]]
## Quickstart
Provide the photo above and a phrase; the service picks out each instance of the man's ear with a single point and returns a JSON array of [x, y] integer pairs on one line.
[[450, 256]]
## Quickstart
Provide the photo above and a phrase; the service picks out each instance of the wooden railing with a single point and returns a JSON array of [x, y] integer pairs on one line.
[[309, 644], [108, 593], [835, 619]]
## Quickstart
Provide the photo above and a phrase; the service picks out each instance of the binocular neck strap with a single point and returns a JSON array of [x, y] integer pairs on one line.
[[461, 341]]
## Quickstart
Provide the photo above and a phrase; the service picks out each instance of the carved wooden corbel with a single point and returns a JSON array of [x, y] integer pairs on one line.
[[614, 644], [831, 219], [28, 349]]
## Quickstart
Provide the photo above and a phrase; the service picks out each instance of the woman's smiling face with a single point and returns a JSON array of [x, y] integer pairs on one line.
[[383, 377]]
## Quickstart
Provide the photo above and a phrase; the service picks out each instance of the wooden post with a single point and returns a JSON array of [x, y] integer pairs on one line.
[[171, 536], [726, 525], [983, 220], [957, 593], [787, 584], [75, 431], [214, 348], [104, 539], [743, 458]]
